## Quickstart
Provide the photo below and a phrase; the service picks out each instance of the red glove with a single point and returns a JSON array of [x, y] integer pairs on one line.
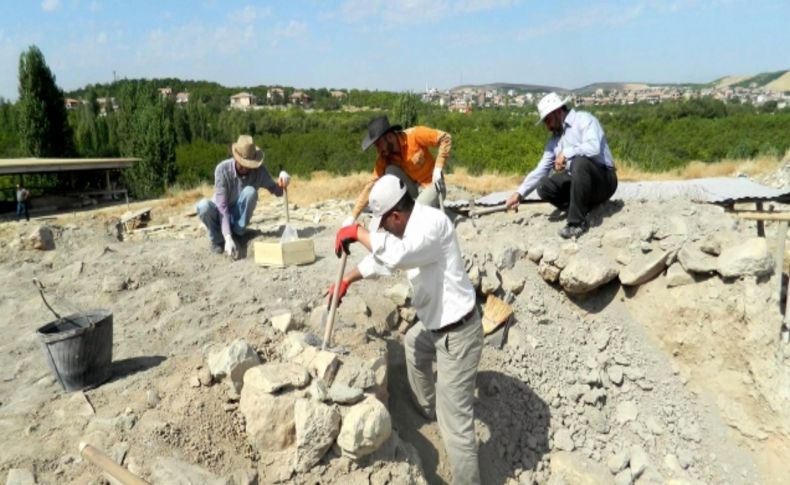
[[343, 289], [345, 236]]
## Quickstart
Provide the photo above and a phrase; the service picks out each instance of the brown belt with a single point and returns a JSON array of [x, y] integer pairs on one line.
[[456, 324]]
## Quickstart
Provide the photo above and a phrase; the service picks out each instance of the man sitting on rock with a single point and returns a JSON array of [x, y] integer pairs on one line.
[[584, 174], [236, 184], [421, 240]]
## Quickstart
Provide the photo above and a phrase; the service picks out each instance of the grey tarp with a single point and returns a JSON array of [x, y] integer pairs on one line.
[[721, 190]]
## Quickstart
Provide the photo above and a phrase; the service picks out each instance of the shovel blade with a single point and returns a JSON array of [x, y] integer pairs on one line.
[[289, 234]]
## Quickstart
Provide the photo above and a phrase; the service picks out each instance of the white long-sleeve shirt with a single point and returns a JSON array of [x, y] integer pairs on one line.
[[583, 136], [431, 256]]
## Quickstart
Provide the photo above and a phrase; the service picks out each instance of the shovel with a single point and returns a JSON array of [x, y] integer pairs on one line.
[[330, 317], [289, 232]]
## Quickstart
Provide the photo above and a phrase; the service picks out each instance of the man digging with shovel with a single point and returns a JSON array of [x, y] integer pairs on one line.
[[421, 240], [236, 184]]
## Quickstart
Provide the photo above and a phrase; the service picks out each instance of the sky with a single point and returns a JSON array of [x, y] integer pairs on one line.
[[395, 45]]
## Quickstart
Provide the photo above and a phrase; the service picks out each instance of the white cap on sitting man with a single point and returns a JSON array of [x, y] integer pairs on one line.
[[549, 103], [385, 194]]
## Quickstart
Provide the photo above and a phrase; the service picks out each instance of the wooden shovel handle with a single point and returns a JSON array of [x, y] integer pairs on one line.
[[330, 322], [285, 199], [488, 210], [109, 466]]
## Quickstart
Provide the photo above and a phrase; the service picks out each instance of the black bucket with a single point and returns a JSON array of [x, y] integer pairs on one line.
[[78, 348]]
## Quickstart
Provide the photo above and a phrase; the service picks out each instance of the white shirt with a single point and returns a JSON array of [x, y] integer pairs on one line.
[[431, 256], [582, 136]]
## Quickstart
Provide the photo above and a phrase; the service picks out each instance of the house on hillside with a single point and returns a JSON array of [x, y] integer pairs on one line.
[[72, 103], [182, 98], [243, 100], [460, 106], [106, 105], [165, 93], [300, 98], [275, 96], [338, 94]]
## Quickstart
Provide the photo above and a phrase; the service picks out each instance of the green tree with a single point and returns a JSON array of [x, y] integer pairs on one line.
[[405, 111], [43, 122], [154, 141]]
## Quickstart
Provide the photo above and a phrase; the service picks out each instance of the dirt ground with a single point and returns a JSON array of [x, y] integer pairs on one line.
[[704, 363]]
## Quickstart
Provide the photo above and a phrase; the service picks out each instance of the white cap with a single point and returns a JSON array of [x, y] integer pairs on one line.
[[386, 192], [549, 103]]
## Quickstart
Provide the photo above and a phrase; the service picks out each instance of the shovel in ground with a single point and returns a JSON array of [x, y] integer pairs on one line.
[[289, 232]]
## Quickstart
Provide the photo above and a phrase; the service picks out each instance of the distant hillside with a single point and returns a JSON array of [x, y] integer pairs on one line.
[[781, 83], [524, 88], [591, 88], [774, 81]]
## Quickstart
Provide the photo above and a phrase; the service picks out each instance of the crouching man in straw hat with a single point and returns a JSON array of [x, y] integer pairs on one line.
[[584, 174], [236, 184], [406, 154], [421, 240]]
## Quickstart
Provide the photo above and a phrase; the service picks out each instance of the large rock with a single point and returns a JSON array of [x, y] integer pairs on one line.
[[512, 282], [233, 362], [284, 321], [42, 238], [354, 309], [617, 238], [369, 375], [585, 273], [317, 426], [639, 461], [366, 427], [276, 376], [320, 364], [548, 271], [677, 276], [644, 268], [750, 258], [490, 282], [694, 260], [384, 315], [269, 419], [577, 469], [508, 256]]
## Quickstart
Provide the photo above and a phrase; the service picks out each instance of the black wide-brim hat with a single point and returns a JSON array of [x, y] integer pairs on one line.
[[378, 127]]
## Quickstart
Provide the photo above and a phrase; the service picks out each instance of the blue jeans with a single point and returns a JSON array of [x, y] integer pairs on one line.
[[239, 214], [21, 209]]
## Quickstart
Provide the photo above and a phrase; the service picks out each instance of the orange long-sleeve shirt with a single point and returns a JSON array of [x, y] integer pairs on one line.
[[414, 158]]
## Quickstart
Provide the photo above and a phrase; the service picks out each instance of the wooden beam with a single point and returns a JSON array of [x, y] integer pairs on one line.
[[762, 216]]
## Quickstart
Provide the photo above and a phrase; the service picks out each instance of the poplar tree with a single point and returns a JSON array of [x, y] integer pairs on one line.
[[44, 130]]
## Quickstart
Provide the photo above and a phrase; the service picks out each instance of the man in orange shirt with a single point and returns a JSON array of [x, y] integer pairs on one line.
[[406, 154]]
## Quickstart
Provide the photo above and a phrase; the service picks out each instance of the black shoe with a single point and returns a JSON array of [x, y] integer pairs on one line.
[[573, 230], [216, 248]]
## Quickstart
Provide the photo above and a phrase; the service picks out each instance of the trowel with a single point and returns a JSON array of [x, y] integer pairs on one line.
[[289, 232]]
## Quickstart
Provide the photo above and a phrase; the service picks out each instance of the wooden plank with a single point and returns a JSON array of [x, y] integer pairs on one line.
[[141, 214], [763, 216], [300, 251]]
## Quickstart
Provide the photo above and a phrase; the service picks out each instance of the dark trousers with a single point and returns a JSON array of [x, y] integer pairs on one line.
[[22, 210], [588, 185]]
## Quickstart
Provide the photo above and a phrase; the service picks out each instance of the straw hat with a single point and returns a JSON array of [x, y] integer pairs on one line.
[[549, 103], [246, 153]]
